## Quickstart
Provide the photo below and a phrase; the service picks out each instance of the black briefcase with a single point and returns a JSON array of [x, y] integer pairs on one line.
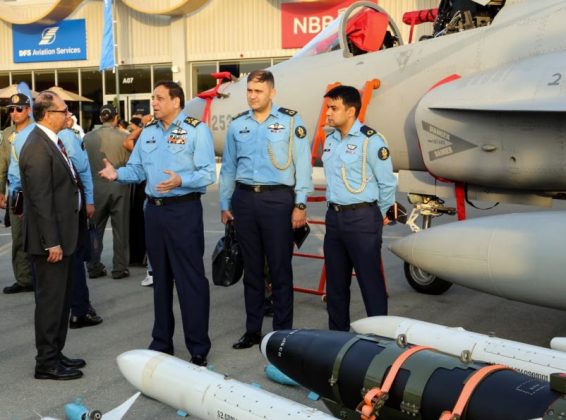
[[227, 261]]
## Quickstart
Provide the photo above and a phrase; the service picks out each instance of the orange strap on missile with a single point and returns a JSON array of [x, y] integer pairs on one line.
[[376, 397], [468, 390]]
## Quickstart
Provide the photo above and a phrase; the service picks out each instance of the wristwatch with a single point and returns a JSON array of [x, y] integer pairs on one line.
[[300, 206]]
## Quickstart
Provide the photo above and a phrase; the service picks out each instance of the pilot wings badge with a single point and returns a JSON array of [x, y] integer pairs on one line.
[[351, 148], [276, 127]]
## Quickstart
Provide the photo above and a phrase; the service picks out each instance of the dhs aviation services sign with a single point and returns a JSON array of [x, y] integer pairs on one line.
[[66, 40]]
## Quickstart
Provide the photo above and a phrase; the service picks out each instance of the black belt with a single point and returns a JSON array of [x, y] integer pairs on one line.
[[175, 199], [261, 188], [345, 207]]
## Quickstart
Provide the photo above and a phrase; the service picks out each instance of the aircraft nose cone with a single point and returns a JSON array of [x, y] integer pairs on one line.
[[195, 108]]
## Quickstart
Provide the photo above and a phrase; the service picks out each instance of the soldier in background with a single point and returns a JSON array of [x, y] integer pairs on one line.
[[111, 200], [20, 113]]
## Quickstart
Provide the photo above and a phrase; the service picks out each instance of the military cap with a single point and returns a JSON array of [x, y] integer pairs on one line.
[[19, 99]]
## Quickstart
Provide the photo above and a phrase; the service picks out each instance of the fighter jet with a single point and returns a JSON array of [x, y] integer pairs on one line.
[[473, 112]]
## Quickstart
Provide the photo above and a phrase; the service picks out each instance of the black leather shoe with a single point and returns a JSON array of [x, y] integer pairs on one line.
[[58, 373], [17, 288], [97, 272], [88, 320], [247, 340], [116, 275], [199, 360], [268, 307], [71, 363]]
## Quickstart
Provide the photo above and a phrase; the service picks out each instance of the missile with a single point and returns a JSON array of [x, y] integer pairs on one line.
[[352, 372], [517, 256], [534, 361], [558, 343], [205, 394]]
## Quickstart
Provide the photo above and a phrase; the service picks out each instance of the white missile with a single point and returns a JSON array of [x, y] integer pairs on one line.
[[518, 256], [531, 360], [558, 343], [205, 394]]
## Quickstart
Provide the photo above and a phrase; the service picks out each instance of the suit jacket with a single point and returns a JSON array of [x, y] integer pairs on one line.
[[51, 213]]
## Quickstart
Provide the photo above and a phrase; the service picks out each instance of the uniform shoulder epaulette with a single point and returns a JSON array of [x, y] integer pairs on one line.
[[192, 121], [287, 111], [367, 131], [149, 124], [241, 114]]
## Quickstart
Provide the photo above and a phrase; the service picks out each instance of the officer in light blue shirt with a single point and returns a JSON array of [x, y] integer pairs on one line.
[[175, 155], [14, 180], [264, 183], [360, 189]]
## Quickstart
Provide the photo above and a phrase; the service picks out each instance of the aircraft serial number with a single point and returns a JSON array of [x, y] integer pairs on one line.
[[224, 416], [220, 122], [556, 81]]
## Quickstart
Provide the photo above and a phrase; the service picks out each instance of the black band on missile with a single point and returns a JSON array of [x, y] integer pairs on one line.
[[338, 364], [309, 357], [422, 366]]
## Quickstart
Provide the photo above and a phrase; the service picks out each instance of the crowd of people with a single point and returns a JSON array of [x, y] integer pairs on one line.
[[68, 182]]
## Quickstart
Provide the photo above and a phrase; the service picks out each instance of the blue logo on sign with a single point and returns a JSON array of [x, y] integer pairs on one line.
[[63, 41]]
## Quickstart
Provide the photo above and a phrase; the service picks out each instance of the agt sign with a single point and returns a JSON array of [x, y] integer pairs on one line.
[[66, 40], [300, 22]]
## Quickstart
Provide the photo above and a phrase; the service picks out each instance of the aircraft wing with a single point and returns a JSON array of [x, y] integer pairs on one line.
[[536, 84]]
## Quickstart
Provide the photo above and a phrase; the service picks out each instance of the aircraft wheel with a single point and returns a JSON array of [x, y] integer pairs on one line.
[[424, 282]]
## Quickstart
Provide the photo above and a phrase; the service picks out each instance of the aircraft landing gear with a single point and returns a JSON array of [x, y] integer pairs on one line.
[[429, 207], [424, 282]]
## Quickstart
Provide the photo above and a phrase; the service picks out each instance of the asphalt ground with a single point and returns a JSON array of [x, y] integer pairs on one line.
[[127, 309]]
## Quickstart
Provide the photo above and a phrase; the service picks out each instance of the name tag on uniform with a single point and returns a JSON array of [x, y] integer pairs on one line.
[[244, 131], [150, 141]]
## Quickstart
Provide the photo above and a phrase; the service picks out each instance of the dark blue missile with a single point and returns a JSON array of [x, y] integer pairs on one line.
[[342, 367]]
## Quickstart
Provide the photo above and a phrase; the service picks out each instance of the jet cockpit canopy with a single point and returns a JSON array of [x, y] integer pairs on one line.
[[362, 28]]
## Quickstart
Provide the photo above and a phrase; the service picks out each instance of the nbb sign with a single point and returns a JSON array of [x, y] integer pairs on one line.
[[300, 22]]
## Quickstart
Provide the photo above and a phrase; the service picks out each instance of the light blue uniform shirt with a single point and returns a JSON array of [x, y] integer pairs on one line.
[[347, 153], [247, 159], [185, 148], [76, 152], [14, 168]]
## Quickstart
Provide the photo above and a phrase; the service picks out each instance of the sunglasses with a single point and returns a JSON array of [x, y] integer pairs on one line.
[[16, 108], [62, 111]]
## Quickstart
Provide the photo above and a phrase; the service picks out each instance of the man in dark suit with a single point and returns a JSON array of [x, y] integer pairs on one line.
[[54, 220]]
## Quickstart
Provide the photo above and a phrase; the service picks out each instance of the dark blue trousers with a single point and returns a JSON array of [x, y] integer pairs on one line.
[[80, 300], [263, 230], [353, 240], [175, 246]]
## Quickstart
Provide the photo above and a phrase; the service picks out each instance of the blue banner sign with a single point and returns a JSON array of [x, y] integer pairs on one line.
[[63, 41]]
